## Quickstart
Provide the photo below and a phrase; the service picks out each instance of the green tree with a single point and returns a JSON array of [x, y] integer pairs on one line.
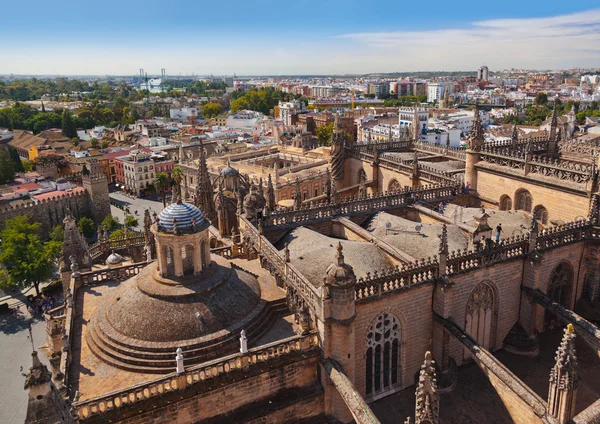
[[14, 155], [131, 221], [27, 165], [7, 168], [85, 170], [110, 222], [162, 181], [120, 234], [26, 258], [57, 233], [68, 126], [541, 98], [104, 144], [86, 226], [324, 134], [210, 110], [95, 143]]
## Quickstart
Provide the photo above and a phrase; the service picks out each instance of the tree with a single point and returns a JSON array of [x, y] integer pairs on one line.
[[110, 222], [541, 98], [68, 126], [104, 144], [210, 110], [7, 168], [27, 165], [324, 134], [75, 141], [26, 258], [177, 175], [120, 234], [131, 221], [161, 181], [57, 233], [95, 143], [87, 227], [14, 155]]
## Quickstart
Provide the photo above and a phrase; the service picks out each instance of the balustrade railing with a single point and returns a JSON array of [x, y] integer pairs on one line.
[[111, 274], [103, 246], [453, 152], [197, 374], [350, 205]]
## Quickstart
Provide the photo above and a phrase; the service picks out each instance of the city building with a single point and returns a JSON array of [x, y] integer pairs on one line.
[[135, 173]]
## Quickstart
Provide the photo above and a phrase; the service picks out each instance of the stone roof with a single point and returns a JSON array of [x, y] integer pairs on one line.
[[513, 222], [312, 253], [422, 244]]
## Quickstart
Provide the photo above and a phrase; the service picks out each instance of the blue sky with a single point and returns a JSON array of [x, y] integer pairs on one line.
[[275, 37]]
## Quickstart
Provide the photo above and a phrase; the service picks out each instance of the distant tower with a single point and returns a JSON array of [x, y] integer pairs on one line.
[[474, 144], [416, 126], [204, 192], [96, 187], [563, 379], [552, 142], [338, 146], [45, 404]]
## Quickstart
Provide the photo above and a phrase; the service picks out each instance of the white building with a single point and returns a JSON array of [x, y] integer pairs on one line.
[[288, 109], [462, 121], [138, 170], [483, 74], [406, 117], [435, 92]]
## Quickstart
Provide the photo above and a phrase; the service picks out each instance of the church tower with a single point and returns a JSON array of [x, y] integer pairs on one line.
[[338, 146], [204, 192], [475, 142]]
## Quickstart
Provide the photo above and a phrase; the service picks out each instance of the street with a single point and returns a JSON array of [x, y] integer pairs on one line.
[[134, 204], [15, 352]]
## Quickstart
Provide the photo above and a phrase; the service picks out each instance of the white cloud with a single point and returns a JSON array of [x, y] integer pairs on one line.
[[549, 42]]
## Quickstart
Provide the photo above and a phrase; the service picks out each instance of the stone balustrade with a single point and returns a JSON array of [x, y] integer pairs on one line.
[[198, 374], [111, 274], [453, 152], [564, 234], [224, 251], [104, 246], [353, 205], [428, 172]]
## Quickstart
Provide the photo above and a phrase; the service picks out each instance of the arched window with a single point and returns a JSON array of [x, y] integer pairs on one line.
[[505, 203], [523, 201], [479, 314], [394, 186], [559, 287], [187, 259], [383, 355], [541, 214]]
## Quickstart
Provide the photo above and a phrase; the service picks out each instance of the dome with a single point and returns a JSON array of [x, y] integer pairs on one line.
[[229, 171], [61, 181], [340, 274], [141, 324], [114, 259], [186, 216]]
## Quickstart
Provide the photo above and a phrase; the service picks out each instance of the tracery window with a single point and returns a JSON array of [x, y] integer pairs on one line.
[[479, 314], [523, 201], [541, 214], [559, 287], [505, 203], [362, 176], [394, 186], [383, 355]]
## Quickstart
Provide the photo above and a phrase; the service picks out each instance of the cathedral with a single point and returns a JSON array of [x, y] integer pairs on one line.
[[403, 267]]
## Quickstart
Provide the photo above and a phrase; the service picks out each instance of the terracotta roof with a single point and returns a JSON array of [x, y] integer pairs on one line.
[[26, 140], [53, 194]]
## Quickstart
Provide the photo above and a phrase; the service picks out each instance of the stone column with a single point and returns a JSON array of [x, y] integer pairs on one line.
[[470, 171]]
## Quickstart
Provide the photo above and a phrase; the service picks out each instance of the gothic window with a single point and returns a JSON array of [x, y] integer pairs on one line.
[[559, 287], [523, 201], [541, 214], [505, 203], [394, 186], [383, 354], [479, 314]]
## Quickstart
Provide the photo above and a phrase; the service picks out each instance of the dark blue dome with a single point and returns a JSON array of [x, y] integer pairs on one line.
[[188, 217]]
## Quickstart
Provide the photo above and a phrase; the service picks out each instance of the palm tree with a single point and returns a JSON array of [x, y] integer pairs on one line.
[[177, 175], [161, 182]]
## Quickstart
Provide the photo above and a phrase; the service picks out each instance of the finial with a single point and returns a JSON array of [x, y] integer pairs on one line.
[[340, 254], [570, 329]]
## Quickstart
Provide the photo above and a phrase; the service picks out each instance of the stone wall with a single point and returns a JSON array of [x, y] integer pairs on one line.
[[212, 400], [561, 204]]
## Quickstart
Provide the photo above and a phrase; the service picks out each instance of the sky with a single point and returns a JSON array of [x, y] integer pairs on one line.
[[266, 37]]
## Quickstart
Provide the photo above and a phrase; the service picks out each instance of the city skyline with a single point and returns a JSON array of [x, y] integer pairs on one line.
[[328, 41]]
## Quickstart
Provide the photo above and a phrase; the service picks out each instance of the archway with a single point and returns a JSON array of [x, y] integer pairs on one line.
[[559, 288], [362, 176], [523, 200], [394, 186], [383, 355], [541, 214], [170, 258], [505, 203], [479, 316], [187, 259]]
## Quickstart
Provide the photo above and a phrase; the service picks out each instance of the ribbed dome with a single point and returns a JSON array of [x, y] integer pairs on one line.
[[114, 259], [228, 171], [187, 216]]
